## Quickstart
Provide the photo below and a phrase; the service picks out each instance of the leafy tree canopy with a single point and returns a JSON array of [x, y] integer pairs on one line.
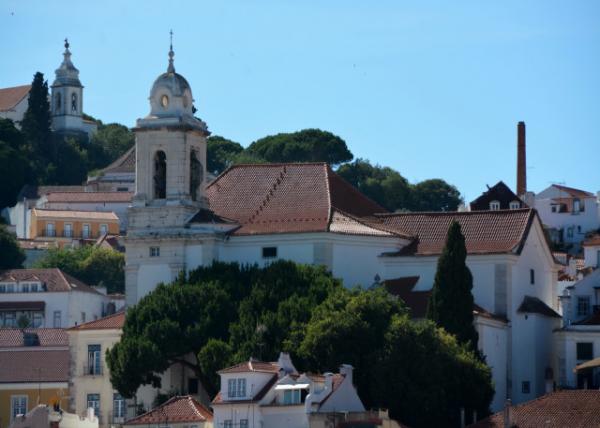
[[390, 189], [308, 145], [218, 315], [13, 163], [420, 373], [36, 121], [11, 255], [451, 301], [92, 265], [220, 153], [110, 141]]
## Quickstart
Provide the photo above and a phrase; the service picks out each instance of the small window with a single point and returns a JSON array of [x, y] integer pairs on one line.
[[291, 396], [231, 388], [103, 229], [578, 229], [25, 288], [554, 208], [38, 320], [68, 230], [50, 231], [494, 205], [34, 288], [583, 306], [83, 317], [569, 232], [93, 401], [241, 387], [85, 231], [525, 387], [10, 319], [10, 288], [576, 205], [154, 251], [73, 102], [585, 351], [2, 288], [531, 276], [514, 205], [228, 423], [18, 405], [57, 319], [243, 423], [269, 252], [118, 405]]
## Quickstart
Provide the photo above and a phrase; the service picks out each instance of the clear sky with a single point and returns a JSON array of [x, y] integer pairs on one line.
[[430, 88]]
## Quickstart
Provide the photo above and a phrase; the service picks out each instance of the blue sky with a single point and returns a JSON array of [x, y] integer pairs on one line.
[[432, 89]]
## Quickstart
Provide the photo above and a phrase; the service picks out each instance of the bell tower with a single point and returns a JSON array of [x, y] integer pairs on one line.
[[170, 148]]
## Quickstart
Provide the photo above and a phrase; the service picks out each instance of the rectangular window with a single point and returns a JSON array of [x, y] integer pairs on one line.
[[243, 423], [25, 288], [494, 206], [118, 405], [531, 276], [122, 189], [525, 387], [34, 288], [50, 231], [94, 364], [228, 423], [103, 229], [57, 319], [231, 388], [10, 319], [93, 401], [514, 205], [241, 387], [569, 232], [10, 288], [82, 317], [68, 230], [269, 252], [291, 396], [18, 405], [553, 208], [85, 231], [583, 306], [154, 251], [3, 287], [38, 320], [585, 351]]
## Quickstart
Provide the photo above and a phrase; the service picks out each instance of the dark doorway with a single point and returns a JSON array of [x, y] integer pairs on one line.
[[160, 175]]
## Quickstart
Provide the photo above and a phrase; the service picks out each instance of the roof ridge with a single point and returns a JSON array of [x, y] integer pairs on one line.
[[330, 207], [376, 227], [270, 193], [450, 213]]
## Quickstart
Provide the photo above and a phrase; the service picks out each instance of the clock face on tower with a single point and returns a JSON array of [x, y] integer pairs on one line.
[[164, 100]]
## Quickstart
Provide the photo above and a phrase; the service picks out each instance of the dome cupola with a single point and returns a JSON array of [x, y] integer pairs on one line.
[[171, 100]]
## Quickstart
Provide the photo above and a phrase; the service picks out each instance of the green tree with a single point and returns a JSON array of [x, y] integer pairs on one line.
[[110, 142], [13, 163], [68, 164], [417, 371], [308, 145], [218, 314], [220, 153], [36, 120], [451, 302], [11, 255], [92, 265], [435, 195]]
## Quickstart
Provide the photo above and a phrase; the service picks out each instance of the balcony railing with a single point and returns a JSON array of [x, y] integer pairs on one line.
[[71, 235], [93, 370], [115, 421]]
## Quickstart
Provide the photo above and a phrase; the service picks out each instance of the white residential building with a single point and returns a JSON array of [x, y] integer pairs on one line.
[[568, 213], [271, 395], [50, 298], [591, 251]]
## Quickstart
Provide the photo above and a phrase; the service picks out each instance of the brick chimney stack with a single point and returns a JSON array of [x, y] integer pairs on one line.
[[521, 160]]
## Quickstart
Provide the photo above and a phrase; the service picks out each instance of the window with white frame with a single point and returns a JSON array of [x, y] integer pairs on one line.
[[25, 287], [10, 288], [236, 388], [50, 231], [10, 319], [583, 306], [291, 396], [38, 320], [85, 231], [103, 229], [154, 251], [227, 423], [57, 319], [494, 205], [94, 362], [118, 405], [569, 232], [93, 401], [18, 405], [2, 288], [514, 205], [243, 423], [35, 288], [68, 230]]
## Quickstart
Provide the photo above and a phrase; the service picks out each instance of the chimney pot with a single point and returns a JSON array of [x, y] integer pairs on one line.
[[521, 160]]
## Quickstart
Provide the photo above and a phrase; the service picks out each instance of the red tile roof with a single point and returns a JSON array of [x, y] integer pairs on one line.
[[593, 240], [534, 305], [10, 97], [39, 365], [107, 216], [124, 164], [486, 232], [285, 198], [179, 409], [114, 321], [572, 408], [575, 193], [54, 280], [89, 196], [13, 337]]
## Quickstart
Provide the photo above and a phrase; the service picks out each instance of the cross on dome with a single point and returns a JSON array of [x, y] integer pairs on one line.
[[171, 68]]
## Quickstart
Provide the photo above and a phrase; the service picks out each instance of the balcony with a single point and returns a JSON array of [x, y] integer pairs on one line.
[[68, 235], [114, 420], [93, 370]]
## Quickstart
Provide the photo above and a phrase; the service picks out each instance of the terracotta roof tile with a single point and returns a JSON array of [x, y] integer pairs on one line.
[[40, 365], [534, 305], [349, 225], [569, 408], [252, 366], [179, 409], [486, 232], [54, 280], [89, 196], [13, 337], [10, 97], [499, 192], [284, 198], [30, 191], [73, 214], [114, 321], [575, 193], [124, 164], [593, 240]]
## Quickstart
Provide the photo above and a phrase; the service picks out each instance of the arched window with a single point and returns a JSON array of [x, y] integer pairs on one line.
[[58, 102], [196, 175], [160, 175], [74, 102]]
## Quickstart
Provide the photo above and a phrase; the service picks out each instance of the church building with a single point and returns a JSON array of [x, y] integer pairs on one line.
[[66, 101]]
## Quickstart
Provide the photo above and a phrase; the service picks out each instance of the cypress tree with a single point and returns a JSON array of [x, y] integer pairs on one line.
[[451, 302], [36, 121]]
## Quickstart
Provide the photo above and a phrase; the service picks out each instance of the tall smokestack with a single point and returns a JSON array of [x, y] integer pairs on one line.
[[521, 160]]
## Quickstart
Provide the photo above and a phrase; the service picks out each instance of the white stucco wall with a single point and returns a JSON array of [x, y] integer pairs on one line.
[[493, 342], [591, 255], [565, 352]]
